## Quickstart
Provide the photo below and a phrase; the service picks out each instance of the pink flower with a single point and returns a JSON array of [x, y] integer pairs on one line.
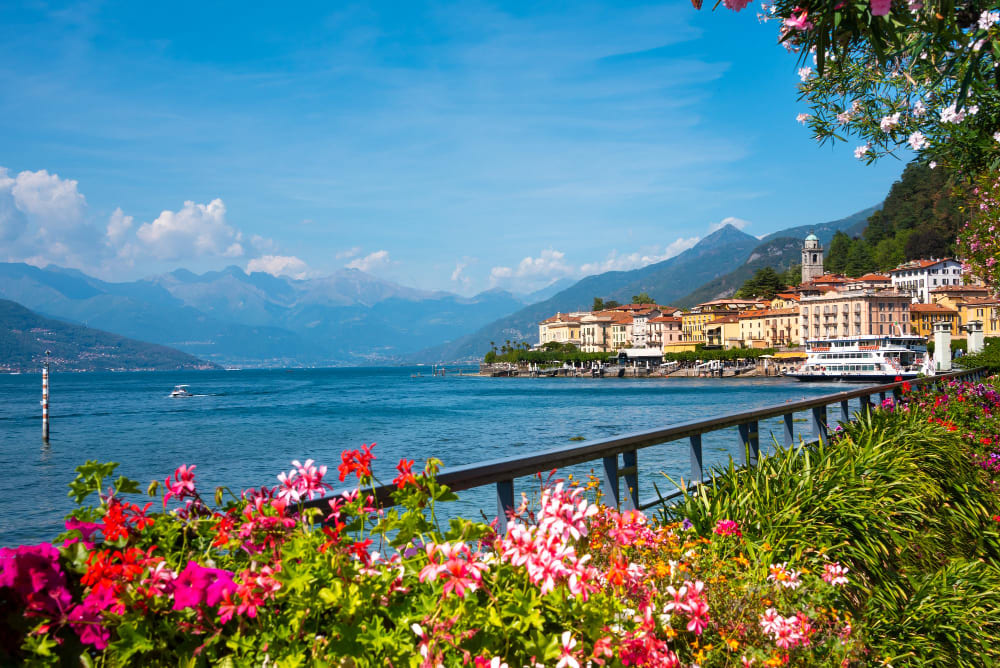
[[305, 480], [34, 574], [183, 485], [835, 574], [728, 528], [567, 658], [197, 585], [735, 5], [880, 7], [798, 20]]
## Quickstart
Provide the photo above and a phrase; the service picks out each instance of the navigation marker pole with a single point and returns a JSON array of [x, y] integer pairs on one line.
[[45, 398]]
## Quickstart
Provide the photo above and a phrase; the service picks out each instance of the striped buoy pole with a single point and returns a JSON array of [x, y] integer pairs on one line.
[[45, 399]]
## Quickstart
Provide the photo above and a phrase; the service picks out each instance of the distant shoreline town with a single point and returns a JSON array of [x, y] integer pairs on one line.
[[729, 336]]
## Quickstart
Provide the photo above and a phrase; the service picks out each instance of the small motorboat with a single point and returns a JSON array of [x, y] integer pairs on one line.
[[180, 391]]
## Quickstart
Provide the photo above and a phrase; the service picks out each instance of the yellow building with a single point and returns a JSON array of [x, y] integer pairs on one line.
[[770, 328], [985, 310], [923, 317], [561, 328], [723, 332]]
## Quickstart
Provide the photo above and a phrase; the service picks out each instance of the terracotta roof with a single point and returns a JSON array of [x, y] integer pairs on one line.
[[931, 308], [920, 264], [981, 301], [725, 319], [874, 277], [828, 278], [755, 313], [783, 311], [961, 288], [788, 295]]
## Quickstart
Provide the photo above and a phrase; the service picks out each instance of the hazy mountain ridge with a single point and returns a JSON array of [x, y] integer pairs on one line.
[[257, 319], [26, 335]]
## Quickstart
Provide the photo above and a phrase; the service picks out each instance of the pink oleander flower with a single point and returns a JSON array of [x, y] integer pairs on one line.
[[861, 151], [799, 20], [183, 485], [735, 5], [880, 7], [918, 141]]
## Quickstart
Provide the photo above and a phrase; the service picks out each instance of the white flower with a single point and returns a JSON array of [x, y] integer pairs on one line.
[[932, 164], [915, 5], [978, 46], [860, 151], [802, 118], [844, 117], [973, 109], [986, 19], [996, 136], [918, 140], [889, 122], [919, 109], [804, 73]]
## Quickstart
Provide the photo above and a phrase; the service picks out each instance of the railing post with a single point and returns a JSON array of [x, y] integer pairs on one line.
[[819, 423], [749, 443], [881, 396], [845, 411], [630, 471], [697, 470], [611, 489], [866, 405], [789, 420], [505, 503]]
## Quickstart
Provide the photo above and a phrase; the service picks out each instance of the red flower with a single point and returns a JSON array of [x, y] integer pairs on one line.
[[907, 387], [358, 462], [405, 477]]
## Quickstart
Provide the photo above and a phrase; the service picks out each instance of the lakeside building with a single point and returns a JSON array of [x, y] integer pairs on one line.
[[723, 332], [770, 328], [598, 333], [561, 328], [664, 330], [640, 325], [844, 314], [986, 310], [923, 317], [918, 277], [695, 322]]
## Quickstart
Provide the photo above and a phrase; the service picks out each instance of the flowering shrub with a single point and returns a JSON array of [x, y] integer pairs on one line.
[[261, 578]]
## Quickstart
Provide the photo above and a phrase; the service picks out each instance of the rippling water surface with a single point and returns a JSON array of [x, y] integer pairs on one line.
[[243, 427]]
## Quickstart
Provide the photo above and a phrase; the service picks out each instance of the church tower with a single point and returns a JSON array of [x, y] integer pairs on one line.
[[812, 259]]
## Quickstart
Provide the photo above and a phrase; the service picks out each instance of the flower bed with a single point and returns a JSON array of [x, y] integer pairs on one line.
[[719, 580]]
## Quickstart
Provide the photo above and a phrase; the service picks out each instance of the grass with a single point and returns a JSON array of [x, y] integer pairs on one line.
[[899, 501]]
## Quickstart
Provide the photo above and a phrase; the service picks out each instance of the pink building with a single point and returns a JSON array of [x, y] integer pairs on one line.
[[842, 314]]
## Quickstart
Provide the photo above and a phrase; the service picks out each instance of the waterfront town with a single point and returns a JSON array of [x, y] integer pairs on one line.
[[907, 300]]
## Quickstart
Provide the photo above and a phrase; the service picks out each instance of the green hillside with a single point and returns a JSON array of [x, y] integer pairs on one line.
[[25, 336]]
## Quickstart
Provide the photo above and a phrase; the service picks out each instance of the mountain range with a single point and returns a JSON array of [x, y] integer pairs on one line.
[[25, 337], [350, 317], [256, 319]]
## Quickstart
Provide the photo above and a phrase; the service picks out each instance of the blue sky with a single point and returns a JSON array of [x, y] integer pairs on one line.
[[445, 146]]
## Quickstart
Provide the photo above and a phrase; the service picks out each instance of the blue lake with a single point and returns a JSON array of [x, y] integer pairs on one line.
[[243, 427]]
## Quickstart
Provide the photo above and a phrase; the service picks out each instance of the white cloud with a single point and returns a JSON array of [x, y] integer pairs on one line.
[[279, 265], [624, 262], [196, 230], [370, 262], [679, 245], [263, 244], [458, 275], [738, 223], [349, 253], [12, 219], [52, 201], [118, 227]]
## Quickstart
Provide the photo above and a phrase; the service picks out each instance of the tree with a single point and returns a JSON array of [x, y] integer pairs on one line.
[[598, 304], [793, 276], [611, 303], [764, 284], [860, 260], [840, 248], [642, 298]]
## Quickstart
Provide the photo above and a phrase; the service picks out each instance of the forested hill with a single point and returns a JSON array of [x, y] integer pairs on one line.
[[25, 336], [920, 218]]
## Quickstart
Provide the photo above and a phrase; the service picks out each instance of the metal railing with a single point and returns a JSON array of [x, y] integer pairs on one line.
[[503, 472]]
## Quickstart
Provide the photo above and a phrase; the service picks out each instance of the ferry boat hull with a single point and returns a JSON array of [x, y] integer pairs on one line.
[[880, 379]]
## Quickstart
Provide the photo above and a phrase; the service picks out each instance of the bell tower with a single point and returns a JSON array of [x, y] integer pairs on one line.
[[812, 259]]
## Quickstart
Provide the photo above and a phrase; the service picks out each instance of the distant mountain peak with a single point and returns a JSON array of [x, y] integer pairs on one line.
[[726, 234]]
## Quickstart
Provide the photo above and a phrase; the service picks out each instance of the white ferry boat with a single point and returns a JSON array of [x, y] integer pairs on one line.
[[863, 359]]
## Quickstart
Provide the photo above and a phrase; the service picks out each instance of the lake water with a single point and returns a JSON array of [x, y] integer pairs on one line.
[[243, 427]]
